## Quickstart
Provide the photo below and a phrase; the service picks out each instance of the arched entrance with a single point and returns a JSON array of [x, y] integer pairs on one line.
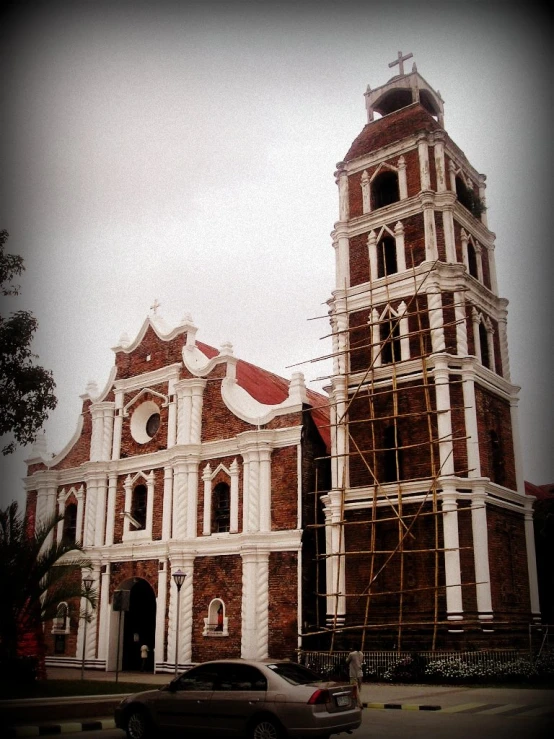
[[140, 625]]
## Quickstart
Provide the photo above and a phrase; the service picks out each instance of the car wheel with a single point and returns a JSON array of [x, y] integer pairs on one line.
[[138, 726], [265, 728]]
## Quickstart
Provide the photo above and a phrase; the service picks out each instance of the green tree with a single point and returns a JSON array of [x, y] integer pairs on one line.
[[26, 390], [36, 574]]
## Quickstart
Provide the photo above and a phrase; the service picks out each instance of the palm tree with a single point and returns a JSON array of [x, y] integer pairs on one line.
[[36, 574]]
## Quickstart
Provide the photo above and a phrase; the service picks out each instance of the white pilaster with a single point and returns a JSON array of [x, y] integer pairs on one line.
[[402, 180], [90, 511], [104, 612], [452, 569], [255, 604], [100, 518], [424, 173], [110, 515], [532, 563], [440, 165], [481, 554], [167, 503], [436, 321], [400, 247], [372, 252], [470, 419], [118, 424], [161, 606], [366, 201], [180, 501], [234, 512], [461, 325], [444, 416]]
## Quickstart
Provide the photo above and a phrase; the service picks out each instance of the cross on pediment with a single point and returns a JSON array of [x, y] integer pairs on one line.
[[154, 307], [400, 61]]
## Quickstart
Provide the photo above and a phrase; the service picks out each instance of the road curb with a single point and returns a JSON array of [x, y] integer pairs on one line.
[[63, 727], [402, 706]]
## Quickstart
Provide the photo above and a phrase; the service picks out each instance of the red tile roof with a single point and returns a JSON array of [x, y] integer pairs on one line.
[[541, 492]]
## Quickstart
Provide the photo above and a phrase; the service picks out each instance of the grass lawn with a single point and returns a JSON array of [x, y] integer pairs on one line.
[[60, 688]]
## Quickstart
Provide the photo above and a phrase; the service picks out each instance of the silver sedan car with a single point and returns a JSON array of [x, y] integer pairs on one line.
[[269, 699]]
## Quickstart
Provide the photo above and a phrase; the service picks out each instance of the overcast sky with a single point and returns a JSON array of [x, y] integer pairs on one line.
[[185, 153]]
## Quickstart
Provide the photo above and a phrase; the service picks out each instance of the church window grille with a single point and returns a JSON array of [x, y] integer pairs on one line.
[[69, 532], [384, 190], [497, 458], [153, 424], [221, 507], [390, 340], [484, 344], [392, 458], [387, 264], [472, 261], [139, 505]]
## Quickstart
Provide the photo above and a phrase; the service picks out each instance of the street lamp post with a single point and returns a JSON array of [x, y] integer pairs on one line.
[[179, 578], [87, 583]]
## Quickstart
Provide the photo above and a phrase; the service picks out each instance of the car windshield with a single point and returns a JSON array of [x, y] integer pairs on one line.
[[294, 673]]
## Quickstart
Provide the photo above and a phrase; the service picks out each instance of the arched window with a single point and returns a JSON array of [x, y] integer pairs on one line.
[[384, 189], [70, 523], [389, 331], [221, 507], [138, 506], [60, 623], [484, 343], [386, 257], [217, 623], [464, 193], [497, 458], [472, 260], [392, 456]]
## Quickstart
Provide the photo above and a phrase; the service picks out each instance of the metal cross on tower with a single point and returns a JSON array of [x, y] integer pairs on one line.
[[400, 61], [155, 306]]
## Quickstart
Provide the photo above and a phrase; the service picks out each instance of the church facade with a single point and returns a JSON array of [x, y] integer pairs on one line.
[[193, 461], [389, 514]]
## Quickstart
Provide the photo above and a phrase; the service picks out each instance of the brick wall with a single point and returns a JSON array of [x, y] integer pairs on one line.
[[283, 604], [217, 577], [508, 564], [493, 414]]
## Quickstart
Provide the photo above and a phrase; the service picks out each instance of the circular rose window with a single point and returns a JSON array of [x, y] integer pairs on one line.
[[145, 422]]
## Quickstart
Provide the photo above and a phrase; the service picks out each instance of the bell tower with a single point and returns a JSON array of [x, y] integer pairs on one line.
[[429, 539]]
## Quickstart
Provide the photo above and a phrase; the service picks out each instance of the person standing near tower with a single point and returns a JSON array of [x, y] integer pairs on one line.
[[355, 661], [143, 657]]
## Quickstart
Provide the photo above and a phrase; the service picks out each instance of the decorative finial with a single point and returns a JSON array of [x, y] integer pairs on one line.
[[91, 389], [400, 61], [124, 339]]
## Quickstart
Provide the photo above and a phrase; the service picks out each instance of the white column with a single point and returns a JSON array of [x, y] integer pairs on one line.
[[265, 490], [440, 165], [207, 479], [167, 503], [483, 198], [61, 511], [444, 417], [461, 325], [104, 612], [503, 340], [476, 320], [465, 258], [97, 432], [366, 200], [449, 236], [343, 257], [110, 516], [255, 604], [470, 418], [452, 569], [337, 580], [436, 321], [198, 386], [234, 512], [518, 458], [375, 340], [532, 563], [404, 332], [100, 511], [431, 250], [118, 424], [342, 181], [172, 415], [372, 252], [400, 247], [90, 512], [186, 565], [479, 260], [90, 647], [192, 499], [180, 495], [424, 173], [481, 554], [452, 175], [161, 606], [402, 181], [490, 344], [80, 495]]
